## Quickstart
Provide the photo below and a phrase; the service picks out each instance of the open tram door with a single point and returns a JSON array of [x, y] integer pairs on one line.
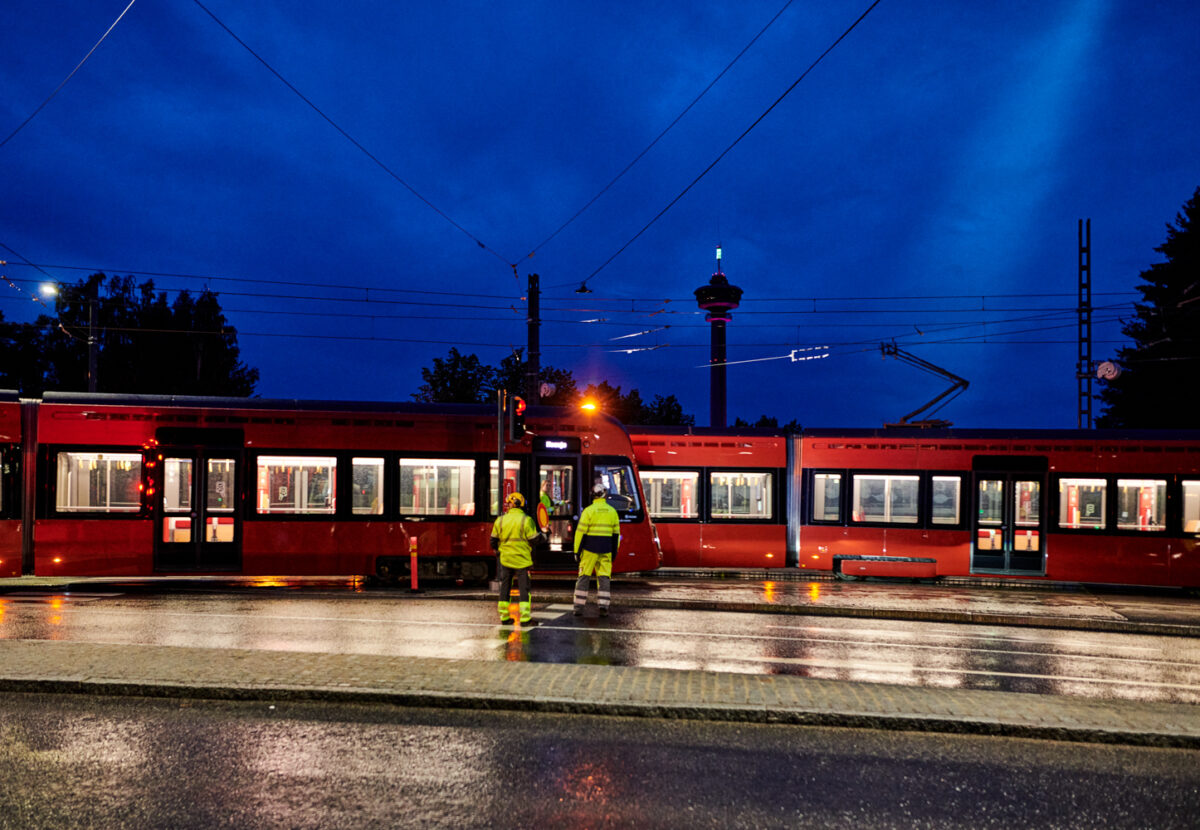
[[197, 521], [556, 504], [1009, 520]]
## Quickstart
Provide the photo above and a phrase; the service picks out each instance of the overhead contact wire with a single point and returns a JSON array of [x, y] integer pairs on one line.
[[379, 162], [736, 141], [659, 137], [71, 75]]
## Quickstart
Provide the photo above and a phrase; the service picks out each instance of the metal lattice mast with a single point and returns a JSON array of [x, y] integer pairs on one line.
[[1083, 369]]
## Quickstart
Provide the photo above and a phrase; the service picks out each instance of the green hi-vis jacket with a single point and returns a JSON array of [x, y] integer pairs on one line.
[[599, 528], [515, 531]]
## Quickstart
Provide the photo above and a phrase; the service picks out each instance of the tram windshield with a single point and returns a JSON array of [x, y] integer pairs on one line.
[[618, 479]]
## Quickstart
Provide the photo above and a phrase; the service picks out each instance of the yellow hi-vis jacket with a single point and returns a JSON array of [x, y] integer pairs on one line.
[[515, 531], [599, 528]]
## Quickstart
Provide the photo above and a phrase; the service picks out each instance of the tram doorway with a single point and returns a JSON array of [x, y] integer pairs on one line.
[[556, 508], [1009, 519], [197, 523]]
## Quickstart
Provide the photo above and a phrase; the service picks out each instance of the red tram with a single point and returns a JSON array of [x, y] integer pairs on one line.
[[145, 485], [142, 485], [1096, 506]]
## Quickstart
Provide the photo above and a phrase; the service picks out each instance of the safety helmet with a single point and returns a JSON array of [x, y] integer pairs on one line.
[[515, 500], [599, 491]]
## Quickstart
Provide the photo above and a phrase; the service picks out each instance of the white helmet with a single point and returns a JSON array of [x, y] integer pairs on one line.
[[599, 491]]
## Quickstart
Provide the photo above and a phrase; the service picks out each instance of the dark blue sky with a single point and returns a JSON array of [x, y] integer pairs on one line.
[[922, 183]]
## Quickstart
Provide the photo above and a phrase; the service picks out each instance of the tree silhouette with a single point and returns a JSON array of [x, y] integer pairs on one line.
[[144, 344], [463, 378], [511, 376], [1159, 370], [458, 378], [667, 411], [768, 422]]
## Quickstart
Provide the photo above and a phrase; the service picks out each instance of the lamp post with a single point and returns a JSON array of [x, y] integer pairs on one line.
[[92, 298]]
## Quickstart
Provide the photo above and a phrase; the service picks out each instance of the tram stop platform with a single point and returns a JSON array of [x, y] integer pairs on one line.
[[278, 676]]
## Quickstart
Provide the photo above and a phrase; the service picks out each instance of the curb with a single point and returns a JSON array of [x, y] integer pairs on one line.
[[630, 709]]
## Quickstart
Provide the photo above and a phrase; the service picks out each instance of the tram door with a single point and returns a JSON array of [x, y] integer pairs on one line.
[[197, 524], [1009, 522], [555, 508]]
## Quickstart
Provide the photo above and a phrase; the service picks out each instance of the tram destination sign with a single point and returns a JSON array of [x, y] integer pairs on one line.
[[556, 444]]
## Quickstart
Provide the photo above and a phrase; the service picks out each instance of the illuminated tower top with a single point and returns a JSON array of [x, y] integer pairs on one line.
[[718, 297]]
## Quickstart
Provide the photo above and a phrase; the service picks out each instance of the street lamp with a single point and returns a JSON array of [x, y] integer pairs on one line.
[[51, 289]]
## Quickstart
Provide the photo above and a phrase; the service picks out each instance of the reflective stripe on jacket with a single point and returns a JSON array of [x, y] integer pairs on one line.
[[599, 528], [515, 531]]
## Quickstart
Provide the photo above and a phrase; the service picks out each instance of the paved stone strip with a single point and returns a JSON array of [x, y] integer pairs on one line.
[[1114, 623], [48, 666]]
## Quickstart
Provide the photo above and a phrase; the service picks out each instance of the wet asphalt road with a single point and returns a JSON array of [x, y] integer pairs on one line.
[[107, 763], [1056, 662]]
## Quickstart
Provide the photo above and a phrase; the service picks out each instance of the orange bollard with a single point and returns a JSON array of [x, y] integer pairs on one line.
[[412, 563]]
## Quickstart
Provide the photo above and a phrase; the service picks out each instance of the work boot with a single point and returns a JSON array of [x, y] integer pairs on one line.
[[526, 611], [603, 610], [578, 612]]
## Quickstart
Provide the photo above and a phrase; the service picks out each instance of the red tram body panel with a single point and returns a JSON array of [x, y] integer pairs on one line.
[[136, 486], [717, 498], [11, 524]]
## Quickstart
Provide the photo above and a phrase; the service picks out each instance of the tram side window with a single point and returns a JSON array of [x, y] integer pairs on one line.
[[512, 477], [671, 494], [94, 482], [891, 499], [945, 499], [1081, 503], [296, 485], [740, 495], [1141, 504], [827, 497], [437, 486], [622, 487], [1191, 507], [367, 478]]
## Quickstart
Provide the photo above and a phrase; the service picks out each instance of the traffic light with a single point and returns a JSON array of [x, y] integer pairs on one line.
[[516, 418]]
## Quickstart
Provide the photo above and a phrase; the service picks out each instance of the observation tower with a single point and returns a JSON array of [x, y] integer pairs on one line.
[[718, 298]]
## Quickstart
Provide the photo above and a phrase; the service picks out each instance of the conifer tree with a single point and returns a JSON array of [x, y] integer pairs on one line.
[[1156, 386]]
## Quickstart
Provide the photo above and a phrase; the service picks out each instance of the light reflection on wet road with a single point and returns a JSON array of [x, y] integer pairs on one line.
[[1043, 661], [76, 761]]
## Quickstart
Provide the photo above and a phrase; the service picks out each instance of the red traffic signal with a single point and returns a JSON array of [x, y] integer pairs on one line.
[[516, 418]]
